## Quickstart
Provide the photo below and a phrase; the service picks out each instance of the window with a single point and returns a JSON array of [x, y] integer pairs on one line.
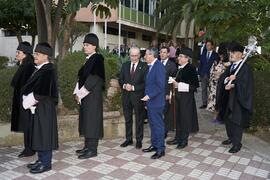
[[146, 37]]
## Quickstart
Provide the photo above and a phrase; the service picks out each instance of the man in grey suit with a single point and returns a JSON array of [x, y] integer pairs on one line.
[[171, 70], [132, 81]]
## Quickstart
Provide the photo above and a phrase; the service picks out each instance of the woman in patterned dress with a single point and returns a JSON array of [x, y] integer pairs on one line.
[[217, 69]]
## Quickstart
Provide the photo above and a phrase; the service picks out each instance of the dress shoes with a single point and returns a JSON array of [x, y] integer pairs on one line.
[[202, 106], [34, 165], [138, 145], [26, 153], [40, 169], [181, 145], [126, 143], [227, 142], [81, 151], [172, 142], [88, 154], [158, 155], [149, 149], [235, 149]]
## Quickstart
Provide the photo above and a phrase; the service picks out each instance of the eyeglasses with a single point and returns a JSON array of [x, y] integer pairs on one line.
[[134, 55]]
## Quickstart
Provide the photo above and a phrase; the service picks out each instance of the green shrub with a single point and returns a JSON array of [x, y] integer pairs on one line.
[[68, 70], [6, 92], [3, 61], [261, 113]]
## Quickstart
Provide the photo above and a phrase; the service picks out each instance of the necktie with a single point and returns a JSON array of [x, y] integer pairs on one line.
[[232, 67], [162, 61], [149, 68], [208, 55], [132, 72]]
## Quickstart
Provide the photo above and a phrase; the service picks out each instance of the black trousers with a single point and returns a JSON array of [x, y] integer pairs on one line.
[[138, 107], [182, 136], [91, 144], [168, 117], [234, 132], [27, 139]]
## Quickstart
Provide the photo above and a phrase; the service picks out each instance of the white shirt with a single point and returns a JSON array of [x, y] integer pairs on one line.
[[39, 66], [210, 53], [152, 63], [135, 65], [87, 57], [164, 61], [182, 66]]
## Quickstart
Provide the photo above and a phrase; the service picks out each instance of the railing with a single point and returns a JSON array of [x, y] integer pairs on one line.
[[137, 17]]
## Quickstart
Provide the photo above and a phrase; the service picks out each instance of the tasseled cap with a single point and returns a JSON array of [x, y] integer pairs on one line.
[[25, 47], [91, 38], [44, 48], [234, 47], [186, 51]]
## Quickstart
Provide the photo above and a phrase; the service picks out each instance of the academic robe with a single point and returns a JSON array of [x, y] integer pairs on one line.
[[43, 84], [238, 102], [92, 77], [20, 116], [186, 113]]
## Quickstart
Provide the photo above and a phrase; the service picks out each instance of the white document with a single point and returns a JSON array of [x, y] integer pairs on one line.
[[183, 87], [29, 101]]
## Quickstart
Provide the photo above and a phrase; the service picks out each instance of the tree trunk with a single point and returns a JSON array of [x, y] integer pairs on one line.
[[33, 39], [41, 22], [57, 22], [19, 36], [64, 40]]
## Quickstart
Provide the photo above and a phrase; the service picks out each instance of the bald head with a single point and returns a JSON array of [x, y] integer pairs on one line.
[[134, 54]]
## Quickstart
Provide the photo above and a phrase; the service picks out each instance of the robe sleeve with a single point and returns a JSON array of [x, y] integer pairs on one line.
[[244, 88]]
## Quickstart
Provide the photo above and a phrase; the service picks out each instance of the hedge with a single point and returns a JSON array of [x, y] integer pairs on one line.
[[3, 61], [6, 92]]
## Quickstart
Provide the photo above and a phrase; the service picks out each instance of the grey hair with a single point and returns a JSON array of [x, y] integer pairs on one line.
[[135, 48], [153, 51]]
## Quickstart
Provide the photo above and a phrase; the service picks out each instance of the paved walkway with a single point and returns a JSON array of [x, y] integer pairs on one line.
[[204, 158]]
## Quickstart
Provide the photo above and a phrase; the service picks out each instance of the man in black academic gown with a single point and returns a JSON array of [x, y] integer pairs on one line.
[[171, 70], [40, 95], [186, 83], [238, 97], [89, 95], [132, 81]]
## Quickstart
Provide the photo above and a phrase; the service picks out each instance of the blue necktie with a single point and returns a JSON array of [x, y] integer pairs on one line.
[[232, 67]]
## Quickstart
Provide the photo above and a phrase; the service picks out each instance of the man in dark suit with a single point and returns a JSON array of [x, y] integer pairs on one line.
[[207, 58], [155, 101], [171, 70], [238, 97], [132, 81]]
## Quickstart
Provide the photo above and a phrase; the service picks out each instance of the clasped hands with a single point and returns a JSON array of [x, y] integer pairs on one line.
[[128, 87]]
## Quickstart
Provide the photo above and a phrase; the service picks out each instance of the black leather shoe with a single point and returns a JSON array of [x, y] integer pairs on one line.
[[81, 151], [40, 169], [149, 149], [181, 145], [172, 142], [158, 155], [202, 106], [126, 143], [33, 165], [87, 155], [235, 149], [227, 142], [26, 153], [138, 145]]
